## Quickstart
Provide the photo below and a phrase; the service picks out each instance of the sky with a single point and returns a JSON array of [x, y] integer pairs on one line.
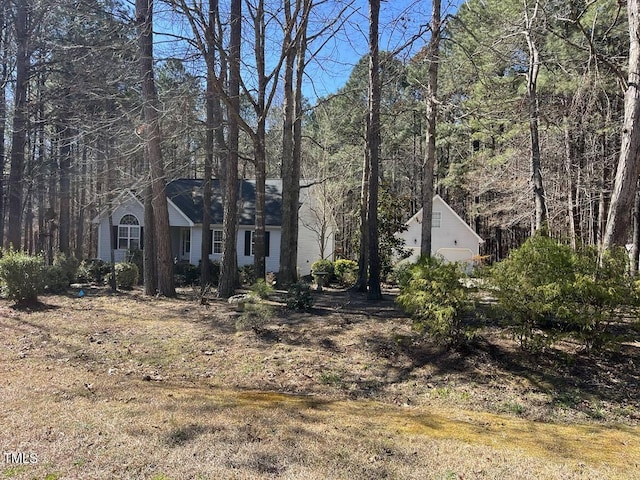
[[403, 29], [400, 22]]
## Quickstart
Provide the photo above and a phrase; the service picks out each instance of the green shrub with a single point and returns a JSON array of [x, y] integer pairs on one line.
[[530, 287], [21, 276], [254, 317], [93, 270], [322, 266], [262, 289], [55, 279], [136, 256], [437, 301], [299, 296], [545, 290], [247, 274], [126, 275], [186, 274], [345, 271], [68, 264], [401, 274], [214, 271]]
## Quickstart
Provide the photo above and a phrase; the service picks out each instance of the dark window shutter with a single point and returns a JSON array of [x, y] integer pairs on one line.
[[210, 242], [114, 237], [247, 243], [141, 238], [266, 243]]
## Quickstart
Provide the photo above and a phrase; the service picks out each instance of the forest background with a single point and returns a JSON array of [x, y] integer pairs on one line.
[[75, 119]]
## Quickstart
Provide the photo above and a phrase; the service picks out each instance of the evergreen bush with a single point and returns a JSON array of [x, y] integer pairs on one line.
[[247, 274], [299, 296], [322, 265], [545, 291], [92, 270], [401, 274], [437, 301], [186, 274], [21, 276], [262, 289], [126, 275], [55, 279], [68, 264], [345, 271]]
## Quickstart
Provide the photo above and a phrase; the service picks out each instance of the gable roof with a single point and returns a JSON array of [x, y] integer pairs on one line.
[[186, 195], [438, 198]]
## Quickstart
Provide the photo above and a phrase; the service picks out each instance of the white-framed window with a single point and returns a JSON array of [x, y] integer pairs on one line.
[[186, 241], [216, 242], [436, 220], [128, 233]]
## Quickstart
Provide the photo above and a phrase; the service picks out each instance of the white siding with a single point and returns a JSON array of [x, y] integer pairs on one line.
[[454, 240], [196, 245], [308, 236], [176, 217], [308, 247], [272, 262], [129, 206]]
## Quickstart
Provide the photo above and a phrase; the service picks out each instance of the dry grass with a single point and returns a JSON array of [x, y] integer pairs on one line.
[[124, 387]]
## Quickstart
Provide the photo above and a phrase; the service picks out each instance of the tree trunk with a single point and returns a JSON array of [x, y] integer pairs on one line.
[[83, 186], [149, 248], [64, 166], [206, 183], [623, 194], [259, 249], [3, 112], [259, 140], [532, 99], [19, 135], [635, 250], [164, 259], [433, 58], [290, 167], [363, 258], [569, 172], [373, 147], [229, 270]]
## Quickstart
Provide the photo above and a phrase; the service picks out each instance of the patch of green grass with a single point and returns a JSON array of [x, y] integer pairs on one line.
[[568, 400], [596, 411], [514, 407], [331, 378], [13, 471], [442, 392], [448, 475]]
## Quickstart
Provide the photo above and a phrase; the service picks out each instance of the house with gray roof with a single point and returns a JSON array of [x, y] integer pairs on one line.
[[184, 198]]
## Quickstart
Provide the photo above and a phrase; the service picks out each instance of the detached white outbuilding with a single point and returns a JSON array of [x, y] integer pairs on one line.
[[451, 237]]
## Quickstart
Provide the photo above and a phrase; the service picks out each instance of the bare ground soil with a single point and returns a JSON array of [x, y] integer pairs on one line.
[[125, 386]]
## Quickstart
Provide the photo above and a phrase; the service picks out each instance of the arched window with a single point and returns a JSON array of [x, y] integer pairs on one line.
[[129, 233]]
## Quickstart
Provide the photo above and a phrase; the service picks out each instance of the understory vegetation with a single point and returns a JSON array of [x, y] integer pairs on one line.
[[116, 385], [544, 292]]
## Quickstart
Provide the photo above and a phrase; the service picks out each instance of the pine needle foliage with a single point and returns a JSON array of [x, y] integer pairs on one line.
[[438, 302]]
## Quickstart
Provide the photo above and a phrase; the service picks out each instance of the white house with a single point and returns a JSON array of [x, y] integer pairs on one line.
[[184, 198], [451, 237]]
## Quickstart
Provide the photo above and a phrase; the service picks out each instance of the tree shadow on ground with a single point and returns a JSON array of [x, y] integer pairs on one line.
[[565, 375]]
